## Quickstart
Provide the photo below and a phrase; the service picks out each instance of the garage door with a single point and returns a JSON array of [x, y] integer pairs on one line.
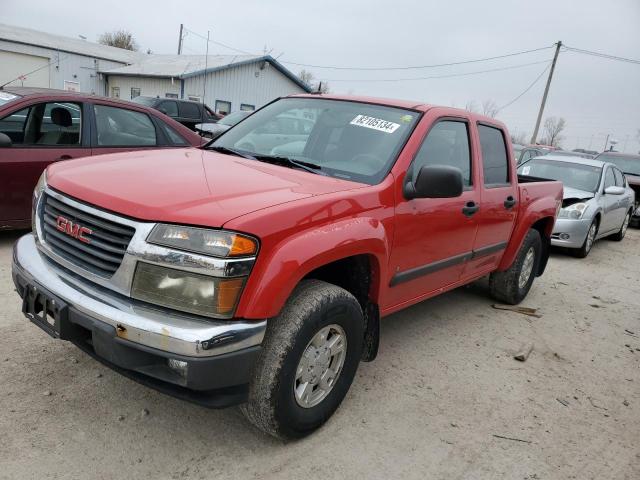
[[14, 65]]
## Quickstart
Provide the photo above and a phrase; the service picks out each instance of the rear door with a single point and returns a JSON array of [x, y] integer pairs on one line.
[[434, 237], [498, 200], [41, 133]]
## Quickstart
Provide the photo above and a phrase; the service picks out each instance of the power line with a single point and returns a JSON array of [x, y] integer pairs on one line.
[[451, 75], [415, 67], [601, 55], [237, 50], [526, 89]]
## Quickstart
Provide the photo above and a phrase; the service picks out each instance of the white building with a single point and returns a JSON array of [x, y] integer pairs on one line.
[[225, 82]]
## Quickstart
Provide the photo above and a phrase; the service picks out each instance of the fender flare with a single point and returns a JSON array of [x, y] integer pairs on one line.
[[276, 274]]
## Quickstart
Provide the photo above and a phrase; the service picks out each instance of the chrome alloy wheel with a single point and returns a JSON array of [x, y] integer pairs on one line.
[[625, 224], [320, 366], [527, 268], [591, 236]]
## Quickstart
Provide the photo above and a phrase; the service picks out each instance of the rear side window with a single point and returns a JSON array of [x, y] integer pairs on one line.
[[494, 156], [119, 127], [446, 144], [619, 178], [169, 108], [189, 110]]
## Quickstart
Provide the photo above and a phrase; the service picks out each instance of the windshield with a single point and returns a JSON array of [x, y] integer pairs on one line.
[[574, 175], [6, 97], [148, 101], [629, 164], [350, 140], [233, 118]]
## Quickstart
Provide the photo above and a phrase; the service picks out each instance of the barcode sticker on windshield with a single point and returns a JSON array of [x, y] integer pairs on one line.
[[375, 124]]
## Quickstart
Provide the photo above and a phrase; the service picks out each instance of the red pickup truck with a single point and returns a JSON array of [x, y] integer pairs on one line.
[[255, 271]]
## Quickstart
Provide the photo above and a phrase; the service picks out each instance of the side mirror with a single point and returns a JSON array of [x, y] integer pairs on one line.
[[435, 181], [5, 140], [614, 190]]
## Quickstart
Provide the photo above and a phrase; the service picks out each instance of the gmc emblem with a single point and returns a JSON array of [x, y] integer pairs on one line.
[[73, 229]]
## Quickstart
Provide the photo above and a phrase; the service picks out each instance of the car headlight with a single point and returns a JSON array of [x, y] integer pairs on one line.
[[574, 212], [37, 193], [186, 291], [217, 243]]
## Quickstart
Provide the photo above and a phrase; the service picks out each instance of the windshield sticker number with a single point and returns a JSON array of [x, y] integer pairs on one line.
[[526, 170], [375, 124]]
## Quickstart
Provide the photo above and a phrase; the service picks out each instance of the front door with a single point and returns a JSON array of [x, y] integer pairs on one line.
[[610, 203], [498, 202], [434, 237], [41, 134]]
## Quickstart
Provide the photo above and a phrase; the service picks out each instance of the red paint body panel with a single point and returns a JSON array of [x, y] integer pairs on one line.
[[305, 221], [22, 165]]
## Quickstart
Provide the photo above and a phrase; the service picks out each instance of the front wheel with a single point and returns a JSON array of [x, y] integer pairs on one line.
[[590, 239], [309, 357], [618, 236], [513, 285]]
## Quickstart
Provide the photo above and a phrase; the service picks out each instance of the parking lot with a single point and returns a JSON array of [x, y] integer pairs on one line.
[[444, 399]]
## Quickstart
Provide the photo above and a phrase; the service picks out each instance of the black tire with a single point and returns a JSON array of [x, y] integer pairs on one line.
[[505, 286], [619, 235], [272, 405], [586, 247]]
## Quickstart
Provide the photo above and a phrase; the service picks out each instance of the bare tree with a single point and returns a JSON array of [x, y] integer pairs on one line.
[[519, 137], [471, 106], [490, 108], [551, 131], [315, 85], [119, 38]]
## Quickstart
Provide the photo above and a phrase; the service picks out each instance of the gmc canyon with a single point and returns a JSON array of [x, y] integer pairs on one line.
[[255, 271]]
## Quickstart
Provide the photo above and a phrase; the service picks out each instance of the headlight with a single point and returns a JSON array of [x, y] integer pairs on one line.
[[574, 211], [217, 243], [37, 193], [187, 291]]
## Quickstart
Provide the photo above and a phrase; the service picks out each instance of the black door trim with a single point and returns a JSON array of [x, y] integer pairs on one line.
[[416, 272]]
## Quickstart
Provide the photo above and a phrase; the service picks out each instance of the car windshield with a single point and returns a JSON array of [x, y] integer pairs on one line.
[[233, 118], [343, 139], [629, 164], [574, 175], [6, 97], [148, 101]]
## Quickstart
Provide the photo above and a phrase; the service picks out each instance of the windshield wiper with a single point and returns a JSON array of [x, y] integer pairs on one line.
[[232, 151], [290, 162]]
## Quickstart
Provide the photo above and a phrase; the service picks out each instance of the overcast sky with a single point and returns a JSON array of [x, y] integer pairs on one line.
[[596, 96]]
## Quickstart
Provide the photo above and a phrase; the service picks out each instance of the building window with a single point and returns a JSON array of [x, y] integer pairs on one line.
[[170, 95], [115, 92], [135, 92], [194, 99], [223, 107], [245, 107]]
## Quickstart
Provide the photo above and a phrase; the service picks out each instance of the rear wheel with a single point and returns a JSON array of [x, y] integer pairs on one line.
[[310, 355], [513, 285], [590, 239], [623, 229]]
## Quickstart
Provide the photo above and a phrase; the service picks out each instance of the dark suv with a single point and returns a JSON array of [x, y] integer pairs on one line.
[[186, 112]]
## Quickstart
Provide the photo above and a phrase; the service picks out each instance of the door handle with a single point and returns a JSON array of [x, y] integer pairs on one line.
[[64, 157], [470, 208], [509, 202]]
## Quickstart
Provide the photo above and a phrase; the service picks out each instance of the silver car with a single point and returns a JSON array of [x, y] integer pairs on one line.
[[597, 202]]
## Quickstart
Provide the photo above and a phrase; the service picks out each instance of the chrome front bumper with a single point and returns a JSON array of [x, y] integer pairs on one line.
[[158, 328], [570, 233]]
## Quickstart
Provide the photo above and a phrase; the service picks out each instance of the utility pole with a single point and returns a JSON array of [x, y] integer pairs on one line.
[[606, 142], [180, 40], [546, 92]]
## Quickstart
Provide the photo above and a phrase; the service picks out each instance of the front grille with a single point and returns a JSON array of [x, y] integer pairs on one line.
[[108, 241]]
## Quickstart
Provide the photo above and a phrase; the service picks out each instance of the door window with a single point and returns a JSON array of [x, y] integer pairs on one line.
[[135, 92], [115, 92], [119, 127], [619, 178], [609, 178], [169, 108], [446, 144], [494, 156], [189, 110], [223, 107], [14, 125]]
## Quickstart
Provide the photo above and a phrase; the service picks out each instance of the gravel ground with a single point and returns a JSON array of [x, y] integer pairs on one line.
[[437, 403]]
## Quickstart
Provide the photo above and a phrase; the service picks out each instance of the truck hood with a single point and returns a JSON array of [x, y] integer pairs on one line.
[[186, 186]]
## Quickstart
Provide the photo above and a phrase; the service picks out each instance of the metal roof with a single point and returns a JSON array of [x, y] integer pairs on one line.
[[186, 66], [26, 36]]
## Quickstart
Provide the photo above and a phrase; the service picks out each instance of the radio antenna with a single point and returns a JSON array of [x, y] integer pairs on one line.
[[204, 79]]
